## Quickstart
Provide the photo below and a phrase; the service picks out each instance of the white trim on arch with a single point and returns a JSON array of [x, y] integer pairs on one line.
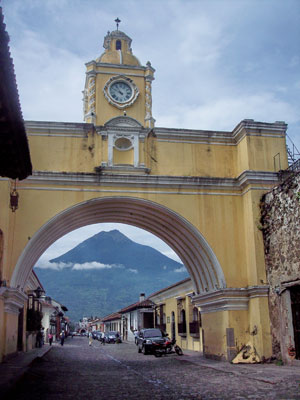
[[187, 242]]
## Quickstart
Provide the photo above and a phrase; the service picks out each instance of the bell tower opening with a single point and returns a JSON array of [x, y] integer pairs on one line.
[[118, 45]]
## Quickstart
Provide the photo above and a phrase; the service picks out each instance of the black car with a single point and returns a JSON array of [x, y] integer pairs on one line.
[[94, 334], [112, 337], [150, 339]]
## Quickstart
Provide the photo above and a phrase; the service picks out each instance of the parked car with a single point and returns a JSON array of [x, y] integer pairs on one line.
[[112, 337], [150, 339], [99, 336], [95, 334]]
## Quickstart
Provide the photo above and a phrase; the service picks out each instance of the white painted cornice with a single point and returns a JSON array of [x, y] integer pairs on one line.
[[171, 292], [243, 129], [14, 299], [140, 177], [251, 127], [96, 64], [228, 299], [48, 128]]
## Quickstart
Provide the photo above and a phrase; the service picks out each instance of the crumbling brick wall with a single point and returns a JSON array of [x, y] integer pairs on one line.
[[280, 224]]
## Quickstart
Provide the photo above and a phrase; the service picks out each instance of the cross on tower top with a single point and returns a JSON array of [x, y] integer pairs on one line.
[[117, 21]]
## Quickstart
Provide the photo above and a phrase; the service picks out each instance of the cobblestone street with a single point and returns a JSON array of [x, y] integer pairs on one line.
[[117, 371]]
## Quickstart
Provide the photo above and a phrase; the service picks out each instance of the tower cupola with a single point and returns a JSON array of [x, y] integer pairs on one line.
[[118, 50], [117, 85]]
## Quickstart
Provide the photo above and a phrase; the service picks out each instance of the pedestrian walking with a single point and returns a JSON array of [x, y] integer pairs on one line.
[[62, 338], [50, 338], [90, 338], [39, 339], [136, 334]]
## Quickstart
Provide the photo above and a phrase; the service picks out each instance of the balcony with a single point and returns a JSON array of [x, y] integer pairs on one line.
[[182, 328], [194, 329], [162, 327]]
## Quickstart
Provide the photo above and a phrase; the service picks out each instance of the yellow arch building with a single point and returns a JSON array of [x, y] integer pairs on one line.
[[197, 190]]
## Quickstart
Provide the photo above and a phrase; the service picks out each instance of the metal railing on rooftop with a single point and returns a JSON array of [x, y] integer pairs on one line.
[[292, 151]]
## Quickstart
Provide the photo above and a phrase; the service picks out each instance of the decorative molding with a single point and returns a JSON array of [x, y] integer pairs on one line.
[[14, 299], [181, 235], [233, 185], [176, 290], [121, 122], [259, 128], [243, 129], [122, 169], [128, 81], [126, 138], [97, 64], [149, 120], [45, 128], [228, 299]]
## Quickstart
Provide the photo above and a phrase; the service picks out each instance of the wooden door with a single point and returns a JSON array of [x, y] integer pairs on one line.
[[295, 303]]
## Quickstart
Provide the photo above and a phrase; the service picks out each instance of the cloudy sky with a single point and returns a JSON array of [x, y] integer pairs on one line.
[[217, 61]]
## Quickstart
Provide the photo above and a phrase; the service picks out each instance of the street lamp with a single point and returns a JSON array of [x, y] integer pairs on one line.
[[38, 291]]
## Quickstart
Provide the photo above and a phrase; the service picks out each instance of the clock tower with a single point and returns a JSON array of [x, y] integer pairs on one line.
[[117, 84]]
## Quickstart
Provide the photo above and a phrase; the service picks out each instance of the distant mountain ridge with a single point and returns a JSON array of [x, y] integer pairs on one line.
[[115, 248], [107, 272]]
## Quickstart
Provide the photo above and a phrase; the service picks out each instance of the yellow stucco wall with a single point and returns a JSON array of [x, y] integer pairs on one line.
[[83, 154], [11, 333], [205, 213], [105, 111], [170, 305], [212, 180]]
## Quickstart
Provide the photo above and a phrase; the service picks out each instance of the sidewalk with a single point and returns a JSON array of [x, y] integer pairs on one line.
[[15, 367], [268, 373]]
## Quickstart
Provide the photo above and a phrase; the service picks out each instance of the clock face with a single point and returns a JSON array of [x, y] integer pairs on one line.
[[120, 91]]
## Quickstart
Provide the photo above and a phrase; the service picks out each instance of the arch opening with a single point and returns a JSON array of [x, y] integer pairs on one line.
[[184, 239]]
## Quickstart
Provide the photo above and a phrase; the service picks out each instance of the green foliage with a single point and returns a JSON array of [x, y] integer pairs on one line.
[[131, 269], [34, 320], [279, 362]]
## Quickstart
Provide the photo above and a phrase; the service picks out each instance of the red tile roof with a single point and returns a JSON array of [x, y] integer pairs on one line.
[[111, 317], [14, 150], [140, 304]]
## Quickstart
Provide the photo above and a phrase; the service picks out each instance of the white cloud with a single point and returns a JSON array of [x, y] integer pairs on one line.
[[179, 270], [43, 71], [210, 72], [73, 238], [230, 111], [134, 271], [95, 265], [44, 264]]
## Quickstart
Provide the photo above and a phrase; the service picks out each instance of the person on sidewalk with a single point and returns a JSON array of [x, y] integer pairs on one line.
[[62, 338], [90, 338], [39, 339], [50, 338]]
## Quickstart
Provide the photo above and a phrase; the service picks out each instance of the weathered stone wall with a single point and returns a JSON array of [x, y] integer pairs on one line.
[[280, 223]]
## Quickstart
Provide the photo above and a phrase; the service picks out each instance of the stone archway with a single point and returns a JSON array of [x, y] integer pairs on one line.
[[195, 253]]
